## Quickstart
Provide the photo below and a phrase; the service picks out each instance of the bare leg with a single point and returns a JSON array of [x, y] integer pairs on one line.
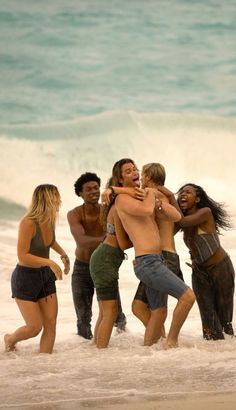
[[154, 328], [49, 308], [33, 319], [141, 311], [109, 313], [99, 319], [180, 314]]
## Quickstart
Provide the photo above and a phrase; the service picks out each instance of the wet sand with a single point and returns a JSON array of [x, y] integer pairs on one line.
[[198, 401]]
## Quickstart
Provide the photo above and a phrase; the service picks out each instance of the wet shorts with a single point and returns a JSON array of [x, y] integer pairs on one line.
[[159, 280], [171, 259], [32, 283], [104, 266]]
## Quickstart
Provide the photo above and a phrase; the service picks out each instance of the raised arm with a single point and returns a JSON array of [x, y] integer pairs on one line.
[[201, 216], [167, 210], [129, 205], [109, 193]]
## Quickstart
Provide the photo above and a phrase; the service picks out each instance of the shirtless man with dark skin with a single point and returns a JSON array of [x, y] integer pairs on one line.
[[87, 230]]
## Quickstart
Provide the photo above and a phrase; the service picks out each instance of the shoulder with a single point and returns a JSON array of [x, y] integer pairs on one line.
[[74, 213], [205, 211], [27, 225]]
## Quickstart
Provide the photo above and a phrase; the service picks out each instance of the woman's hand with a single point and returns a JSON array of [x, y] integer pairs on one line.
[[66, 262], [56, 269]]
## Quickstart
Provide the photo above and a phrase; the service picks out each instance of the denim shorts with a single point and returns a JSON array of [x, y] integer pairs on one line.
[[32, 283], [104, 269], [159, 280], [171, 259]]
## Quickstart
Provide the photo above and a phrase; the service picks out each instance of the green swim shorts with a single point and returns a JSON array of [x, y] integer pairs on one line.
[[104, 269]]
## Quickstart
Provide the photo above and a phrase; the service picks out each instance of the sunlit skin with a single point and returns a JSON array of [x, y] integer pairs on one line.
[[197, 220], [137, 219]]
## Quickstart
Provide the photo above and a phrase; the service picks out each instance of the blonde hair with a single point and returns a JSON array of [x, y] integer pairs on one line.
[[156, 172], [45, 204]]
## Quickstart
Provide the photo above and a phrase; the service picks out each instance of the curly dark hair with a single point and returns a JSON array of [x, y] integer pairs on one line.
[[87, 177], [221, 217]]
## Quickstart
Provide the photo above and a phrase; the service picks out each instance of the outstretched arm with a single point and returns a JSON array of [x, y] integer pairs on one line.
[[199, 217], [129, 205], [78, 232], [135, 192]]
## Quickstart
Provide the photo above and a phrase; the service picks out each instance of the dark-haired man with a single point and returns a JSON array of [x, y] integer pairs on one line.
[[86, 228]]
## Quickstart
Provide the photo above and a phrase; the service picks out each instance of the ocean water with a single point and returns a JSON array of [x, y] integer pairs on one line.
[[64, 59], [83, 84]]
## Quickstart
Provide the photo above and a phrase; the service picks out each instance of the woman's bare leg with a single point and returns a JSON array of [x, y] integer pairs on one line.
[[49, 308], [109, 313], [33, 324], [99, 319]]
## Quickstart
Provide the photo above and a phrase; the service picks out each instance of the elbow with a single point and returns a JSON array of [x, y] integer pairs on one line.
[[178, 217]]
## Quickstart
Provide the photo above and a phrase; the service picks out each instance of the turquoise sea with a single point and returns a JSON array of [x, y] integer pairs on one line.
[[63, 59]]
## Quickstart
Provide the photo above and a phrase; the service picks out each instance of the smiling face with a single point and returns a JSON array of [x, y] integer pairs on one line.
[[187, 198], [90, 192], [129, 175]]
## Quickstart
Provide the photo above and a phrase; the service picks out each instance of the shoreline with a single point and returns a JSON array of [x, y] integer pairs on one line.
[[193, 401]]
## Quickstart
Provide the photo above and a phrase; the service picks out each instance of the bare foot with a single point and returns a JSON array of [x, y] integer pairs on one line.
[[9, 347], [169, 344]]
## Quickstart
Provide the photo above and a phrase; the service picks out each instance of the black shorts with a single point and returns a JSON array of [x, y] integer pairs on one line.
[[32, 283]]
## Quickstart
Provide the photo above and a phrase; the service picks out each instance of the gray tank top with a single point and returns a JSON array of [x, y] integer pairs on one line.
[[37, 246]]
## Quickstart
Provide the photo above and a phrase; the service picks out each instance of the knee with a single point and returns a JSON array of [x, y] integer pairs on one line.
[[34, 329], [136, 307], [188, 297]]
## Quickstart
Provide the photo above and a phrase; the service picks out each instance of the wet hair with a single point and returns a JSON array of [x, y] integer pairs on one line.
[[87, 177], [45, 204], [114, 180], [156, 172], [221, 217]]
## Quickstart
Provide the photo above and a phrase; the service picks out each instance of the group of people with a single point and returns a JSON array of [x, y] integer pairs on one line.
[[144, 215]]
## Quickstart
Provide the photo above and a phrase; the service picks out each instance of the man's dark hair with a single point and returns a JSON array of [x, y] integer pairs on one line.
[[87, 177]]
